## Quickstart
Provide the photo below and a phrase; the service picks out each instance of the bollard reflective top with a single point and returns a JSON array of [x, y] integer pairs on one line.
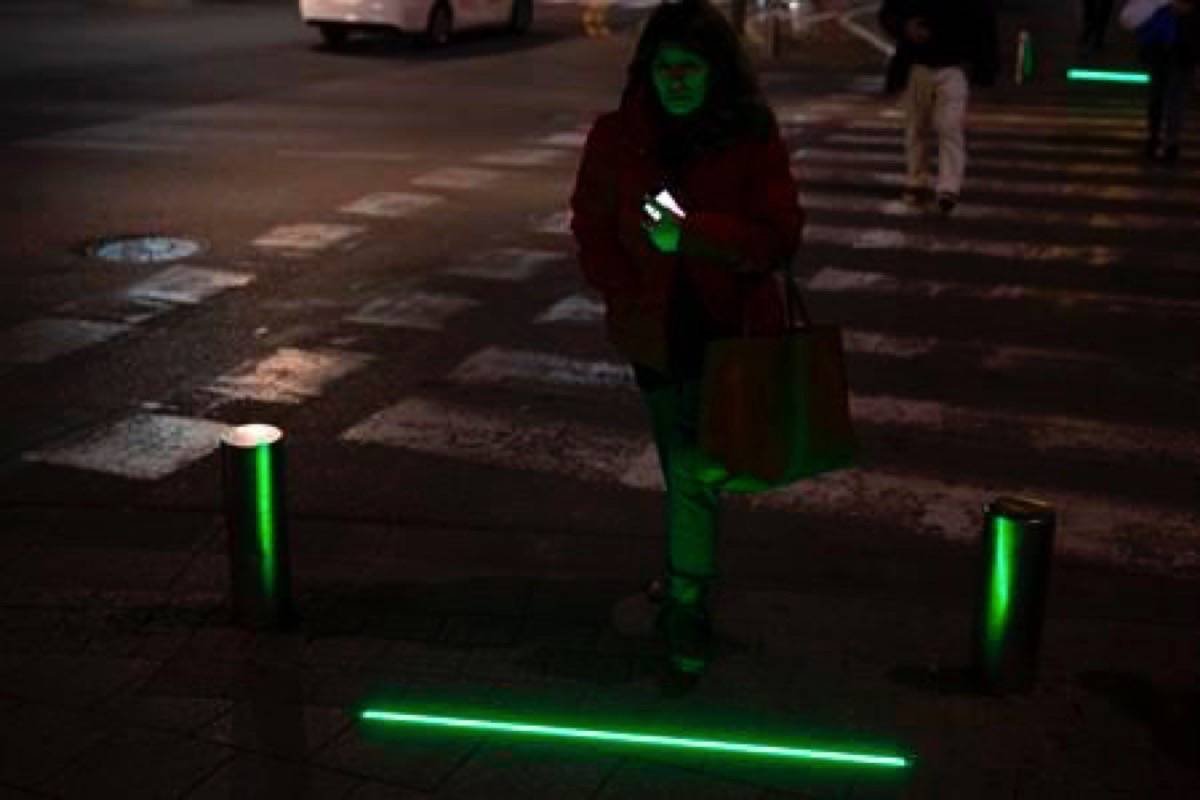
[[1020, 508], [251, 435]]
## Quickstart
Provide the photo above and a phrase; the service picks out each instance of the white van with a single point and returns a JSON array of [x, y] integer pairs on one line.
[[436, 20]]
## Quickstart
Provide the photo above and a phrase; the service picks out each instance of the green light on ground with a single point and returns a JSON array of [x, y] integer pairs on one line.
[[1107, 76], [265, 511], [1000, 588], [624, 737]]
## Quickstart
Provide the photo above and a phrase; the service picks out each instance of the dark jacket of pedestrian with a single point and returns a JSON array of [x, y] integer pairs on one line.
[[729, 169], [1182, 48], [962, 33]]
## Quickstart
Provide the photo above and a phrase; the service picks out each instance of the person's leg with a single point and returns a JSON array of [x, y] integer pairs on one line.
[[918, 106], [1175, 99], [1155, 105], [949, 115], [1103, 13]]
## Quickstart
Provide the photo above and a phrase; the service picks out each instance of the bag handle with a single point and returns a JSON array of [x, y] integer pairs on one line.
[[793, 301]]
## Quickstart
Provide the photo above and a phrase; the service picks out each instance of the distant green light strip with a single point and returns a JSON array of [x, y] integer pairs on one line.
[[1000, 590], [265, 510], [623, 737], [1107, 76]]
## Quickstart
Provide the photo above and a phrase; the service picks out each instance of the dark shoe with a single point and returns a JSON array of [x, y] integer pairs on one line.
[[946, 201]]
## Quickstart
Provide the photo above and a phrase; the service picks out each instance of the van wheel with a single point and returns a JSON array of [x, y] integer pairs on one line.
[[440, 25], [334, 36], [522, 16]]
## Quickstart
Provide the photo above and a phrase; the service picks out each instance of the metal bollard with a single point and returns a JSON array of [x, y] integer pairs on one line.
[[252, 464], [1018, 544]]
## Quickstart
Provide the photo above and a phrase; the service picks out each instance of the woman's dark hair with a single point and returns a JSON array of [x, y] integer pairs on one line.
[[734, 104]]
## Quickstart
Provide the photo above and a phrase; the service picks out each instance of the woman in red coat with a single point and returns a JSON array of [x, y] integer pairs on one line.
[[693, 122]]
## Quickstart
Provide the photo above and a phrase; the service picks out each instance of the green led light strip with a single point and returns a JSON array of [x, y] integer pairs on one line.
[[265, 509], [1000, 589], [1106, 76], [622, 737]]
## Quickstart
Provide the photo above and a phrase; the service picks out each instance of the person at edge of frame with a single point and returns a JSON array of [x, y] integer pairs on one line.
[[1170, 54], [941, 47], [1096, 16], [692, 121]]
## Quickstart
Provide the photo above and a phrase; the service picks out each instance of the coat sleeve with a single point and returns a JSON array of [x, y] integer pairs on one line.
[[766, 232], [604, 261]]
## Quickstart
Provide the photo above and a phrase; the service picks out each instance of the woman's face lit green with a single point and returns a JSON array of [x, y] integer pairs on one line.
[[680, 78]]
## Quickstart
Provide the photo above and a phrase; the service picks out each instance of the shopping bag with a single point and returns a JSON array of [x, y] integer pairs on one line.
[[775, 409]]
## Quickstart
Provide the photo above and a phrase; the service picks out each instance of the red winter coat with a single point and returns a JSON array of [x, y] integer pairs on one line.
[[743, 220]]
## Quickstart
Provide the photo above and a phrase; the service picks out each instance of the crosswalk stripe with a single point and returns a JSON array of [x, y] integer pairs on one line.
[[829, 201], [392, 204], [308, 237], [581, 309], [507, 264], [1054, 166], [1184, 196], [1023, 132], [841, 280], [288, 376], [896, 141], [1039, 432], [891, 239], [456, 178], [427, 311], [1089, 525], [37, 341], [187, 285], [521, 158], [981, 118]]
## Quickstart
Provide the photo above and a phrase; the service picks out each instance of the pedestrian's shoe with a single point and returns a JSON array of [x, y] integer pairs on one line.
[[946, 202], [687, 632], [915, 196]]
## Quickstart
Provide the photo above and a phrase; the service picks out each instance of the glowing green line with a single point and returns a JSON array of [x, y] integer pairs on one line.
[[1106, 76], [637, 738], [1000, 596], [265, 509]]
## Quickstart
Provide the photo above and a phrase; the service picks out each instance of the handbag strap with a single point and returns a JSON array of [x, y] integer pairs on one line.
[[793, 300]]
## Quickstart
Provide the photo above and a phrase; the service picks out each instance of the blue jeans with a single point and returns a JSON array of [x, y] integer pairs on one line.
[[692, 481]]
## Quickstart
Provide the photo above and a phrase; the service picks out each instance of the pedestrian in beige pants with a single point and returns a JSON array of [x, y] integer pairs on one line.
[[941, 45]]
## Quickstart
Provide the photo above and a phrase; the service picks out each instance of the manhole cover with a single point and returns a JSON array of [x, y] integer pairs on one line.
[[144, 249]]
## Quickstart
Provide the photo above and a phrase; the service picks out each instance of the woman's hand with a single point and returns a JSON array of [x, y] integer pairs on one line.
[[662, 225]]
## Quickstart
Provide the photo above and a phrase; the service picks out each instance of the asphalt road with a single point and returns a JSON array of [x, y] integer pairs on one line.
[[384, 274]]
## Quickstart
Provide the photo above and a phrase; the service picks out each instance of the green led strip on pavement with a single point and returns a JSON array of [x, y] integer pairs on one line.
[[624, 737], [1107, 76]]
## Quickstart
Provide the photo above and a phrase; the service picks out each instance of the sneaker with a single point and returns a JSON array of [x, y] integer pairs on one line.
[[687, 631], [946, 201]]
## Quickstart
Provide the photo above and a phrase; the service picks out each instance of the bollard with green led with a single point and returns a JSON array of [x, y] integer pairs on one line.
[[1018, 545], [260, 576]]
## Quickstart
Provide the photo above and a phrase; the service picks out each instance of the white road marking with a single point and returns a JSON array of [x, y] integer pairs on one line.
[[575, 308], [1038, 432], [1075, 150], [1191, 197], [345, 155], [986, 119], [1054, 166], [306, 237], [1020, 132], [142, 447], [556, 222], [392, 204], [892, 239], [40, 340], [835, 279], [830, 201], [1088, 525], [288, 376], [573, 139], [500, 365], [82, 143], [187, 285], [507, 264], [499, 439], [420, 310], [520, 158], [882, 344], [456, 178]]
